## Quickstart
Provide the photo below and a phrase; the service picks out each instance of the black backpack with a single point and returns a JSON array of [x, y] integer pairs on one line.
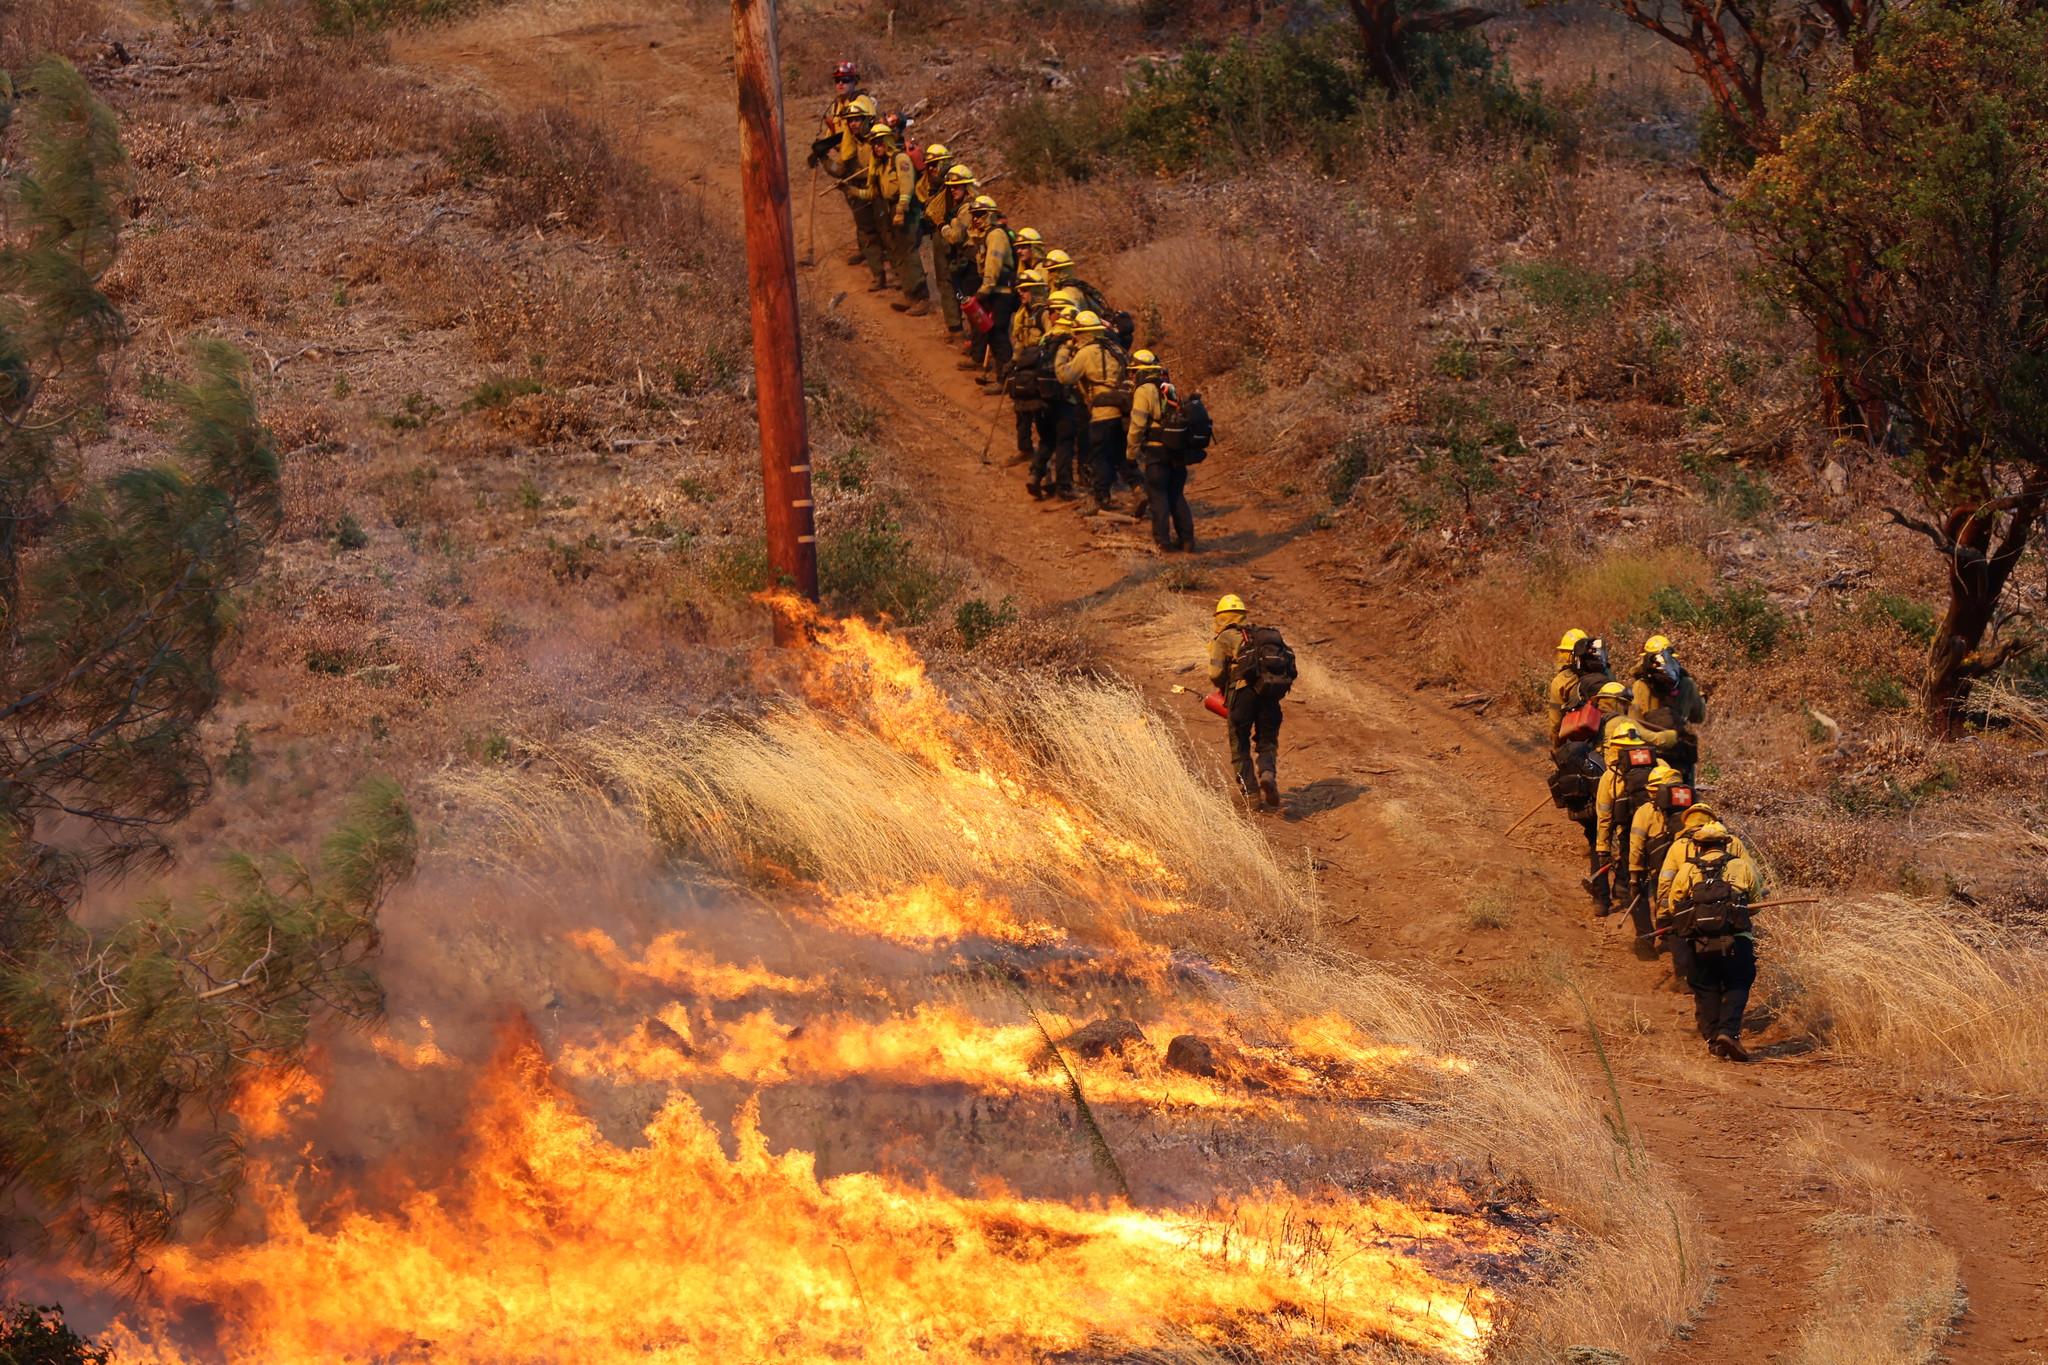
[[1576, 779], [1264, 663], [1022, 381], [1186, 429], [1714, 907]]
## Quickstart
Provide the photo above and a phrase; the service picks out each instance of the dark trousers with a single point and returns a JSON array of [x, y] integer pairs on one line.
[[1066, 437], [1173, 521], [1001, 307], [1035, 436], [1105, 454], [1720, 983], [1597, 882], [1254, 729], [867, 231]]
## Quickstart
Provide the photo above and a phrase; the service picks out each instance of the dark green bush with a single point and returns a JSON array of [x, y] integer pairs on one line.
[[1741, 613], [975, 620], [1916, 619], [873, 567], [35, 1335]]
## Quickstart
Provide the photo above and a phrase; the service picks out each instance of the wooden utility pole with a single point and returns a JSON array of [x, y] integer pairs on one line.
[[771, 279]]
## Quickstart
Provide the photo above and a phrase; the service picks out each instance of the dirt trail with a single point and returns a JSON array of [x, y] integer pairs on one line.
[[1399, 799]]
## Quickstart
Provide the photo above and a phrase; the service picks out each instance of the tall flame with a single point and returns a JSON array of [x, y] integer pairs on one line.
[[554, 1242], [559, 1245]]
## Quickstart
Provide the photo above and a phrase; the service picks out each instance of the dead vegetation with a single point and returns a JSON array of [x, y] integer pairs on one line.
[[1889, 1291]]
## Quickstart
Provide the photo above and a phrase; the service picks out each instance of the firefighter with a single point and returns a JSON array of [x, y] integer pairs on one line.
[[1667, 698], [1581, 671], [1165, 473], [1095, 368], [1576, 765], [892, 182], [1028, 362], [852, 164], [1062, 406], [1030, 245], [1060, 266], [832, 129], [1712, 888], [995, 282], [932, 209], [1627, 757], [1254, 668], [1697, 817], [1652, 830]]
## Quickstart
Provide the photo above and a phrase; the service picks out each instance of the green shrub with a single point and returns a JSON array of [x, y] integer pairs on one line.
[[1354, 460], [1572, 293], [1742, 613], [1915, 619], [35, 1335], [1455, 359], [873, 567], [1884, 692], [976, 620], [497, 392], [1728, 486], [349, 533]]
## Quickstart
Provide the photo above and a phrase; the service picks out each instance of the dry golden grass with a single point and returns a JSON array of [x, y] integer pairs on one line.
[[31, 29], [803, 790], [1936, 994], [1889, 1291], [1507, 621]]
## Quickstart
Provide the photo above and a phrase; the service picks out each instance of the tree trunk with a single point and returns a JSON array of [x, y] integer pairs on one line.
[[1980, 560]]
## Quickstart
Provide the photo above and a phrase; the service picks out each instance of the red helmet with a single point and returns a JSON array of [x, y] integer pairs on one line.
[[846, 73]]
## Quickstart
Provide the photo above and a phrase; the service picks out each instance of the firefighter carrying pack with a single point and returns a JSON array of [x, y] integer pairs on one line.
[[1715, 909], [1576, 779], [1186, 429], [1264, 663]]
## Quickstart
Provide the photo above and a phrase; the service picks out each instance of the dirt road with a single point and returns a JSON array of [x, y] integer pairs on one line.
[[1399, 798]]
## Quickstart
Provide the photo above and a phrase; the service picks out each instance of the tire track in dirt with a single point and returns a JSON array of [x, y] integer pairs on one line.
[[1398, 800]]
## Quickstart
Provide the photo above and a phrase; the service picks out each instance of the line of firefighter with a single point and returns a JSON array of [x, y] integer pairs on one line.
[[1034, 330], [1625, 758]]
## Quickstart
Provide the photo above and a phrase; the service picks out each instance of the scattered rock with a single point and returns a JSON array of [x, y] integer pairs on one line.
[[1196, 1056], [1104, 1037], [1592, 1355], [1835, 477]]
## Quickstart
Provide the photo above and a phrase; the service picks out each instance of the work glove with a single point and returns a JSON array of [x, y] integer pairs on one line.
[[899, 217]]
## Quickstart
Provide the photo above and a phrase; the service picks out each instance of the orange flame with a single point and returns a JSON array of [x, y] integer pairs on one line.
[[269, 1102], [421, 1056], [669, 961], [559, 1245]]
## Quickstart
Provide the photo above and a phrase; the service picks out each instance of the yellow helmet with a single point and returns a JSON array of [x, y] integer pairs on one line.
[[1570, 639], [863, 106], [1656, 644], [1057, 260], [936, 153], [1712, 832], [1230, 603], [1612, 691], [982, 205], [1664, 775], [1700, 813], [1028, 237], [1625, 735], [880, 129], [1145, 361], [1059, 322], [1070, 296], [1032, 278], [1088, 321], [960, 177]]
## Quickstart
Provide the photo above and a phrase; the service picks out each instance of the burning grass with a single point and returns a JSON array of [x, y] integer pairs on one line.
[[1036, 1053]]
